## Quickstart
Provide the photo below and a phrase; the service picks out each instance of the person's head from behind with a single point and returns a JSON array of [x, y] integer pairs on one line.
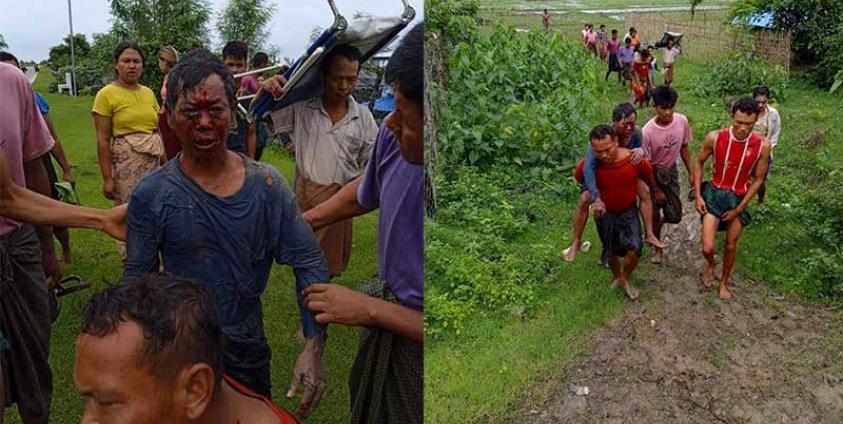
[[604, 142], [235, 54], [150, 352], [405, 72], [127, 61], [259, 60], [340, 70], [9, 59], [664, 99], [168, 56], [624, 117], [761, 94], [645, 54], [201, 103], [744, 114], [545, 11]]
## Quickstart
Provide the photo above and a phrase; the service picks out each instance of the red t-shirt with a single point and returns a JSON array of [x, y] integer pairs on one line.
[[643, 70], [734, 161], [283, 415], [618, 182]]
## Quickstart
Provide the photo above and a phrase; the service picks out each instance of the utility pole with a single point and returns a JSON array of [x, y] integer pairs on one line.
[[72, 54]]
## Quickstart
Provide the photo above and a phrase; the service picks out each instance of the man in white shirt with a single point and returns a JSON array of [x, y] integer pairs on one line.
[[333, 137]]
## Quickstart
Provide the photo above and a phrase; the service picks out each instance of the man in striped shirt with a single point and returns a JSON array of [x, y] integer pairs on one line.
[[722, 202]]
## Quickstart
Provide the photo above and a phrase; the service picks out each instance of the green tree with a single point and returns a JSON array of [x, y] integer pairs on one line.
[[246, 20], [59, 55], [3, 44], [816, 28], [152, 23]]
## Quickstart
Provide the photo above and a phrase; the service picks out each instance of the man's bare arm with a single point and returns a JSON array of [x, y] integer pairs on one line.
[[342, 205], [24, 205]]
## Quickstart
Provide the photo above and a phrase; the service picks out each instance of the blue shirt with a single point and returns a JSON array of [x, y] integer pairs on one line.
[[43, 106], [227, 245], [589, 169], [397, 188]]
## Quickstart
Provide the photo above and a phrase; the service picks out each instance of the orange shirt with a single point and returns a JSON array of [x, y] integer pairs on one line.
[[283, 415]]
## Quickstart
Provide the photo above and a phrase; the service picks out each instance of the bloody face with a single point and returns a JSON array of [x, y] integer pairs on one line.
[[742, 124], [341, 78], [129, 66], [118, 388], [202, 118], [407, 123], [605, 149], [625, 127]]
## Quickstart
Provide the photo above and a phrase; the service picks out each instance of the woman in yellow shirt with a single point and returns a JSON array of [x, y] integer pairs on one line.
[[126, 116]]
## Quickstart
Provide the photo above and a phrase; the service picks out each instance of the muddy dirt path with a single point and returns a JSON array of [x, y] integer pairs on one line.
[[682, 356]]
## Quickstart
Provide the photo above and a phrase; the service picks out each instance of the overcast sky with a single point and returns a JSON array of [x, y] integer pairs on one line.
[[32, 29]]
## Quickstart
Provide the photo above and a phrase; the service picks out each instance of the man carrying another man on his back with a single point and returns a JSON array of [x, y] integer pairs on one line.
[[333, 137], [617, 180]]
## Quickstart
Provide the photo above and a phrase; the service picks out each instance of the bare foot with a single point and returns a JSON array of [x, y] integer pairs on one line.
[[657, 257], [725, 293], [706, 275], [571, 252], [617, 282], [655, 242], [631, 291]]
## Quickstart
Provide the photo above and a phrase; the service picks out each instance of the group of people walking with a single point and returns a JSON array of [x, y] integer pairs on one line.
[[191, 200], [627, 173]]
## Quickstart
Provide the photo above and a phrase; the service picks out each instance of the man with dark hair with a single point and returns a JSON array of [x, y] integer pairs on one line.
[[667, 137], [243, 138], [333, 137], [740, 162], [221, 219], [628, 137], [154, 347], [387, 377], [617, 179]]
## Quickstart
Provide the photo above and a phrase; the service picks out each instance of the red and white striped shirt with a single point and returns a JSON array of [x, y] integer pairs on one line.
[[734, 161]]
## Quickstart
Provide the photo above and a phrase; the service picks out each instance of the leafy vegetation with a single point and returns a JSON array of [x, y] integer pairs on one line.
[[246, 20], [816, 28], [739, 74]]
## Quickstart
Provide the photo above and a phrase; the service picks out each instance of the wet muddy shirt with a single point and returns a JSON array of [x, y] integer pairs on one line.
[[225, 244]]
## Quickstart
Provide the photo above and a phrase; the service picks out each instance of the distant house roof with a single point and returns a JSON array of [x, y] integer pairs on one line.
[[758, 20]]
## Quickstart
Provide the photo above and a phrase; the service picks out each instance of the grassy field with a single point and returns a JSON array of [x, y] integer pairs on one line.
[[96, 260], [500, 363]]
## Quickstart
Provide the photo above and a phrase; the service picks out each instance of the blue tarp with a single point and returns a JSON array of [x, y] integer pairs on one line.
[[385, 103], [759, 20]]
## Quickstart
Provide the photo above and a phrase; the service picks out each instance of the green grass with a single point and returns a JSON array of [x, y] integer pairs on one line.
[[500, 364], [96, 260]]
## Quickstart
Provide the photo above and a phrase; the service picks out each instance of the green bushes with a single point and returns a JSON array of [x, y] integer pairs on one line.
[[476, 260], [515, 98], [739, 74]]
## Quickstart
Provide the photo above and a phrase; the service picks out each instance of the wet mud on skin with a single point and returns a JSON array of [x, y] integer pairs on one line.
[[679, 355]]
